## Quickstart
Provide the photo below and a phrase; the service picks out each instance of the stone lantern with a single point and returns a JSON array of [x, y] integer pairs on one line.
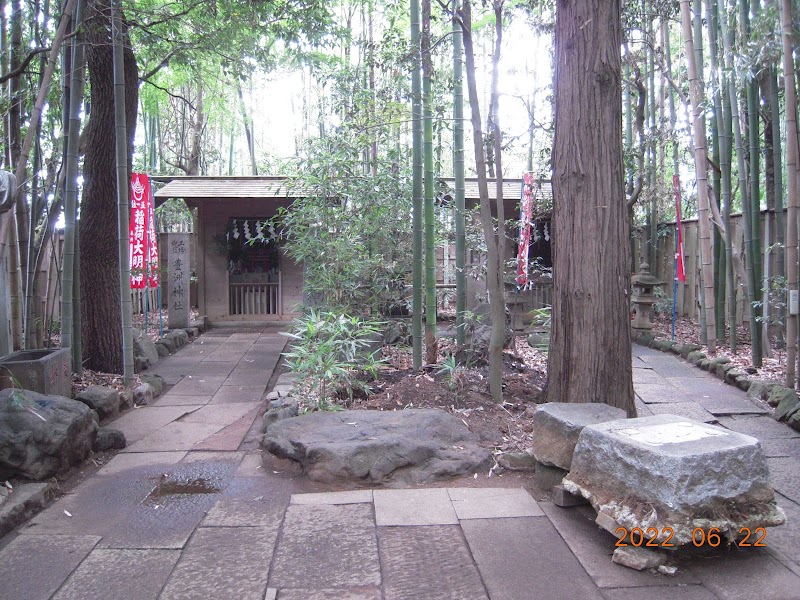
[[643, 297]]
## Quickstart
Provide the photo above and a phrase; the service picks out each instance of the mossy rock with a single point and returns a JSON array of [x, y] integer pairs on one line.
[[788, 405], [695, 356], [688, 349], [779, 393]]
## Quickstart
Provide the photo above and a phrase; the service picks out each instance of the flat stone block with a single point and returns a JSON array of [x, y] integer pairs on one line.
[[223, 562], [373, 593], [346, 497], [201, 385], [220, 414], [324, 547], [141, 422], [414, 507], [174, 437], [689, 410], [548, 477], [34, 566], [100, 575], [763, 428], [667, 471], [557, 425], [238, 393], [126, 462], [428, 562], [594, 547], [493, 503], [532, 550], [651, 393], [26, 500], [244, 513], [170, 399]]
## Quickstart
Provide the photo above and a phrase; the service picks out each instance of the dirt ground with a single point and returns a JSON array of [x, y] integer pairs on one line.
[[503, 427]]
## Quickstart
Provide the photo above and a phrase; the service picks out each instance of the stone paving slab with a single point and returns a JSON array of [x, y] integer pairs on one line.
[[173, 437], [244, 513], [647, 375], [593, 547], [532, 549], [493, 503], [761, 427], [94, 507], [153, 460], [120, 575], [225, 353], [245, 378], [199, 384], [170, 399], [324, 547], [219, 414], [669, 366], [364, 593], [252, 465], [33, 566], [239, 393], [231, 437], [781, 447], [213, 368], [170, 375], [721, 405], [653, 393], [747, 574], [141, 422], [690, 410], [223, 562], [786, 538], [785, 476], [345, 497], [687, 592], [428, 562], [430, 506]]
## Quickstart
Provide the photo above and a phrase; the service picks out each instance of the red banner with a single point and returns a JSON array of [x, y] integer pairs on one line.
[[143, 243], [525, 217], [680, 271]]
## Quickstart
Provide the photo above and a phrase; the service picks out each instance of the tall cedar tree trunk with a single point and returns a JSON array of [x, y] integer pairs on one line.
[[99, 250], [494, 275], [590, 343]]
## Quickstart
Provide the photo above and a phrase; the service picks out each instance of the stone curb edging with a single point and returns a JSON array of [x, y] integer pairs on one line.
[[26, 500], [783, 399]]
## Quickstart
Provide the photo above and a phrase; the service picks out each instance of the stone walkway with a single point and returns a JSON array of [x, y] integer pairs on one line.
[[191, 510]]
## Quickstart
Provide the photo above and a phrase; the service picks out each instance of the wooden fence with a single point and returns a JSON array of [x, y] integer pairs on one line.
[[688, 293]]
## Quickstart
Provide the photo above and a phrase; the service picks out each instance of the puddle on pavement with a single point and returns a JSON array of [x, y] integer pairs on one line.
[[174, 487]]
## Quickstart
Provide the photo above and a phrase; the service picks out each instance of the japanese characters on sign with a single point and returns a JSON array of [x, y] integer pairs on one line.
[[143, 242]]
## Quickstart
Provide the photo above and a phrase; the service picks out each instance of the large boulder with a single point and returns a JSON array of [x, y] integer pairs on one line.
[[409, 446], [42, 436], [102, 400]]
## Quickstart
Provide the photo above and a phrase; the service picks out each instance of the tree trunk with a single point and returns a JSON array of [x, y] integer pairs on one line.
[[458, 171], [790, 87], [701, 174], [590, 343], [494, 281], [430, 216], [417, 175], [99, 249]]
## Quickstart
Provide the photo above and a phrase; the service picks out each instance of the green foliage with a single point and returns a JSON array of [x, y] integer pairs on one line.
[[352, 231], [329, 350], [455, 376]]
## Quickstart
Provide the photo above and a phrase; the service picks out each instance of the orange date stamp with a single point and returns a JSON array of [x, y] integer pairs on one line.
[[653, 537]]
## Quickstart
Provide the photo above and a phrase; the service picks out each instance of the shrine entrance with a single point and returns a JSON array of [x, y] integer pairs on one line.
[[254, 274]]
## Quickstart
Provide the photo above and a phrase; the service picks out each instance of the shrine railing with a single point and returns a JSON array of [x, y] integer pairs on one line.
[[254, 298]]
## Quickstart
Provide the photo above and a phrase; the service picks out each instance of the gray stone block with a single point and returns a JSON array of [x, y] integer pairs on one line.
[[760, 388], [704, 364], [557, 425], [282, 408], [104, 401], [564, 499], [156, 382], [695, 357], [125, 399], [145, 347], [787, 406], [143, 394], [168, 342], [638, 558], [109, 439], [162, 349], [779, 394], [548, 477], [46, 371], [668, 471], [517, 461], [688, 349]]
